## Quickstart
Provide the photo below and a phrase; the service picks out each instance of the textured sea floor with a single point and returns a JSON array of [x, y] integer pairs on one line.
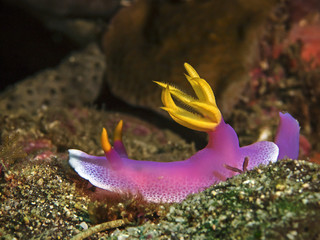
[[43, 198]]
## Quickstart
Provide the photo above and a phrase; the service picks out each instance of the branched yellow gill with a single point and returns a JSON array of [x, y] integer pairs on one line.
[[209, 115]]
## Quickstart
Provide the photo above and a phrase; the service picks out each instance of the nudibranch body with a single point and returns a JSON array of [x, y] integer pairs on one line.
[[174, 181]]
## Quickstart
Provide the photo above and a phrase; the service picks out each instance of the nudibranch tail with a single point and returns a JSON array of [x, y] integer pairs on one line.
[[206, 116], [287, 137]]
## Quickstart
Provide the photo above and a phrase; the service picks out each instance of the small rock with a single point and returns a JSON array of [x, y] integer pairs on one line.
[[84, 225]]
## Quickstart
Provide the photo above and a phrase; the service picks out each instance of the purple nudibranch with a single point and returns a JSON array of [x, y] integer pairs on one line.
[[174, 181]]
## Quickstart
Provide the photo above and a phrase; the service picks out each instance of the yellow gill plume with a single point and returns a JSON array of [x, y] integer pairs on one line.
[[209, 115]]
